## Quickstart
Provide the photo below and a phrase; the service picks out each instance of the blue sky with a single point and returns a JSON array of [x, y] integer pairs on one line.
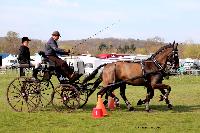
[[79, 19]]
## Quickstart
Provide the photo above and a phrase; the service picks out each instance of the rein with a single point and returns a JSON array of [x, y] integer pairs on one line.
[[133, 78], [158, 65]]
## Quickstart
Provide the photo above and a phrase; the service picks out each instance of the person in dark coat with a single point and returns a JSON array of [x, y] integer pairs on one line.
[[52, 51], [24, 55]]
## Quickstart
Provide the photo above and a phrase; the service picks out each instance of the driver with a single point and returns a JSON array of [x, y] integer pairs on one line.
[[51, 51]]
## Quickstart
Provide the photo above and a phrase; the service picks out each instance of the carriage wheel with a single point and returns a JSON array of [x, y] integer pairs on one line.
[[83, 97], [65, 96], [22, 95], [85, 93], [47, 89]]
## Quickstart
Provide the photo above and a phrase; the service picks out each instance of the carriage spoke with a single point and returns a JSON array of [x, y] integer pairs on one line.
[[22, 104], [27, 106], [30, 104], [82, 99], [15, 87], [33, 102], [17, 102]]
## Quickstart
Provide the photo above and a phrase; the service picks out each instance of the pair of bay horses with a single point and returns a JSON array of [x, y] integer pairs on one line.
[[148, 73]]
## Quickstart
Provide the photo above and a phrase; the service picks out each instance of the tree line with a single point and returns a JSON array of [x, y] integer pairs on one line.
[[11, 43]]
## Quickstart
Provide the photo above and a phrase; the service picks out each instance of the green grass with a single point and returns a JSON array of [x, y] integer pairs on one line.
[[185, 116]]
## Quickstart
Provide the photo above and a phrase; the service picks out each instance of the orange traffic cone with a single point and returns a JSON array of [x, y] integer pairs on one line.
[[111, 103], [97, 113], [100, 105]]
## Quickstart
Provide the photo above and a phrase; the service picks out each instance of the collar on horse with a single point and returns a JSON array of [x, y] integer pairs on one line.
[[157, 64], [161, 69]]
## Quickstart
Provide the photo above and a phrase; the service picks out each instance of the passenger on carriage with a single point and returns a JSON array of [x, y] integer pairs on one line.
[[24, 56], [51, 51]]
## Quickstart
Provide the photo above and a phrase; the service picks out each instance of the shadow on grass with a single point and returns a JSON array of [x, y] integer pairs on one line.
[[123, 108], [160, 108], [177, 108]]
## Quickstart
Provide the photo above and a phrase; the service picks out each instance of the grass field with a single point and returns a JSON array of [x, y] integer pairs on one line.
[[185, 117]]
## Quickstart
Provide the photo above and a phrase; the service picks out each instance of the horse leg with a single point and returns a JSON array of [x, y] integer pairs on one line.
[[150, 94], [102, 91], [165, 90], [111, 94], [122, 93], [106, 90], [106, 99], [166, 97], [116, 99]]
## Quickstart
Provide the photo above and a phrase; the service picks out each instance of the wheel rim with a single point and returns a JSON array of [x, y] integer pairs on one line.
[[46, 92], [66, 97], [83, 98], [23, 96]]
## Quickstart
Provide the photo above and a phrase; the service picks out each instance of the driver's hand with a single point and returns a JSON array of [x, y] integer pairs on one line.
[[67, 52]]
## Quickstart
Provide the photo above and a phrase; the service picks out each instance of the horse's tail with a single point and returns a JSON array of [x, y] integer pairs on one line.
[[93, 74]]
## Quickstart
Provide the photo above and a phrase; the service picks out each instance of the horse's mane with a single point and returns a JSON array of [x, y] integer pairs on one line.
[[160, 50]]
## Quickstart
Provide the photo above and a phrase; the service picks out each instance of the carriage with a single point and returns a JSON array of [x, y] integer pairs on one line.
[[25, 94]]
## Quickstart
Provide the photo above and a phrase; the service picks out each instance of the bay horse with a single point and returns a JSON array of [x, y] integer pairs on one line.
[[148, 73]]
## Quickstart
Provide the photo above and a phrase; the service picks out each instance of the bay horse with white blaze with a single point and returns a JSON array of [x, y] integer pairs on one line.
[[148, 73]]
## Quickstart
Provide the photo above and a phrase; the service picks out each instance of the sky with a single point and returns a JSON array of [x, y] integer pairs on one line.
[[79, 19]]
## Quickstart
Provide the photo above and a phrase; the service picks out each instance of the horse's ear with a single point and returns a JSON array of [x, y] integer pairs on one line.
[[174, 42], [175, 46]]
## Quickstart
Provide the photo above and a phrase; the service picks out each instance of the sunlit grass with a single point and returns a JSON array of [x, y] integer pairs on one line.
[[185, 96]]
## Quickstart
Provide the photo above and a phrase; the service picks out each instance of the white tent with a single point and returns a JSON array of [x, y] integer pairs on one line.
[[9, 61]]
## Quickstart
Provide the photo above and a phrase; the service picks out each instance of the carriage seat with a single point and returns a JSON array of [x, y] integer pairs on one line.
[[46, 63], [25, 66]]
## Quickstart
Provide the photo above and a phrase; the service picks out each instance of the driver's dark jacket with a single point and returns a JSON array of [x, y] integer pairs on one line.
[[51, 48], [24, 55], [51, 51]]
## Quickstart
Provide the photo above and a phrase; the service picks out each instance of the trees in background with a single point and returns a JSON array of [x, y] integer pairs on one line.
[[11, 43], [126, 49], [103, 47], [189, 51]]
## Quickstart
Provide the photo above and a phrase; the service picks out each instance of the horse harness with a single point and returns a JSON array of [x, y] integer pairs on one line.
[[143, 71], [158, 65]]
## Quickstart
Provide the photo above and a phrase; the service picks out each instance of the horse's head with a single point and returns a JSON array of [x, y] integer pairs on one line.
[[167, 54], [173, 58]]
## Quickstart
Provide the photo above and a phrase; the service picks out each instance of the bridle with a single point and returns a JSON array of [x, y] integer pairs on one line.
[[172, 61]]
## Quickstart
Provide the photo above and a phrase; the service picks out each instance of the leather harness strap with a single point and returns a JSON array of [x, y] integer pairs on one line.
[[157, 64], [114, 73], [143, 70]]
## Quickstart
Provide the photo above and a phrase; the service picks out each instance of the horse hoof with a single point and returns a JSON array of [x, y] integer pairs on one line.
[[117, 105], [139, 102], [170, 106], [131, 109], [105, 102], [161, 98], [149, 110]]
